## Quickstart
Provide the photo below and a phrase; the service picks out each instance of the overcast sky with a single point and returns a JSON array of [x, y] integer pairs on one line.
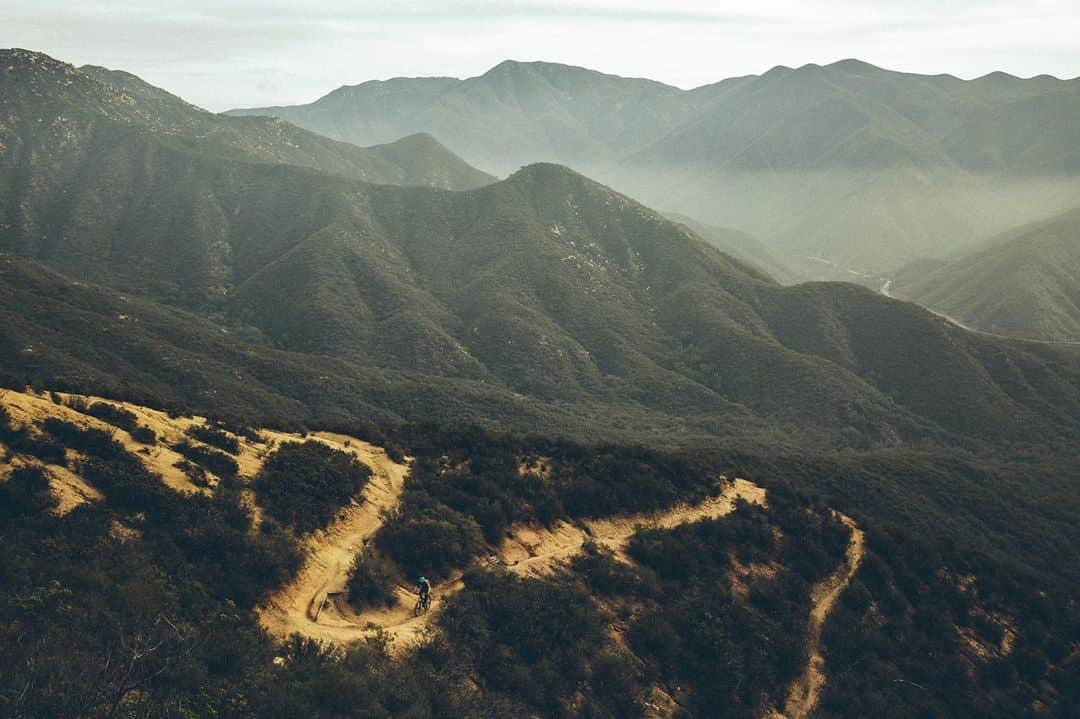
[[229, 53]]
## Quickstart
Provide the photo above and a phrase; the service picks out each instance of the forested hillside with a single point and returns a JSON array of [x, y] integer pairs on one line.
[[1025, 283], [544, 294]]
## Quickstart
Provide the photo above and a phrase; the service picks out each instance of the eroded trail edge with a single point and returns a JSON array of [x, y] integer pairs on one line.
[[805, 692]]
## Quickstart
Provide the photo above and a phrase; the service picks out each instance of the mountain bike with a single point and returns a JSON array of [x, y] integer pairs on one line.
[[422, 605]]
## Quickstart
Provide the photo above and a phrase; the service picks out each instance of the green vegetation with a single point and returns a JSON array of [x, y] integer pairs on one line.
[[538, 303], [217, 462], [371, 582], [215, 437], [23, 441], [256, 280], [429, 538], [116, 416], [303, 485], [467, 487], [143, 435], [25, 494], [735, 648], [541, 644], [712, 614]]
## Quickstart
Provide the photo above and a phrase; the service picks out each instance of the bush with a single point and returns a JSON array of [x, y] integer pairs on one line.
[[219, 463], [88, 440], [21, 441], [371, 582], [304, 485], [542, 641], [143, 435], [214, 437], [430, 538], [25, 493], [116, 416]]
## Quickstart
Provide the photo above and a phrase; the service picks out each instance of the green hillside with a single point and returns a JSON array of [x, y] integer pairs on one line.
[[1025, 283], [248, 396], [868, 167], [47, 106], [547, 287]]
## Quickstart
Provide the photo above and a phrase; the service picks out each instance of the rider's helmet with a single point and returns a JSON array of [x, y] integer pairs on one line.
[[421, 580]]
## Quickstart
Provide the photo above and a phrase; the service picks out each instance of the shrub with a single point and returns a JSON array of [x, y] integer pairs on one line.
[[371, 582], [143, 435], [88, 440], [303, 485], [219, 463], [116, 416], [430, 538], [25, 493], [214, 437]]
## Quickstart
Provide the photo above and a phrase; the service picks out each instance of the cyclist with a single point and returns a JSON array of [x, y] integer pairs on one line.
[[423, 587]]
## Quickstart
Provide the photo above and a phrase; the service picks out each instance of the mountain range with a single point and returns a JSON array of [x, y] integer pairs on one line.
[[863, 166], [546, 286]]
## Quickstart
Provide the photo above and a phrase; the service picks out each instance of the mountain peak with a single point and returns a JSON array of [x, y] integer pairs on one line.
[[853, 66], [18, 59]]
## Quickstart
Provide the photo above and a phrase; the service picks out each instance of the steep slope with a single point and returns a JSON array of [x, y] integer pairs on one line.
[[868, 167], [1025, 283]]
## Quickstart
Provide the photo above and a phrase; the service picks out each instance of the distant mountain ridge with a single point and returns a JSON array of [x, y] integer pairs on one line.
[[867, 167]]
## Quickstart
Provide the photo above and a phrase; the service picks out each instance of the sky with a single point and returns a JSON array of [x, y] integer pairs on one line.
[[240, 53]]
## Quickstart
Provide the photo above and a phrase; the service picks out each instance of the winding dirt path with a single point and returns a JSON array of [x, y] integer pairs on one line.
[[314, 605], [536, 551], [805, 692], [298, 607]]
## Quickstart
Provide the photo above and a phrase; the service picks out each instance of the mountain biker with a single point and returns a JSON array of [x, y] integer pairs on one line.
[[423, 586]]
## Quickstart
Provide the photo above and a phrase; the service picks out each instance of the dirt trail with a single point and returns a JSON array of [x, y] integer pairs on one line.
[[314, 604], [537, 551], [805, 691], [299, 606]]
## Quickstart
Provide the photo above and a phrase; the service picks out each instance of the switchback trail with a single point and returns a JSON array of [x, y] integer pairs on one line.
[[805, 691], [297, 608], [314, 605]]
